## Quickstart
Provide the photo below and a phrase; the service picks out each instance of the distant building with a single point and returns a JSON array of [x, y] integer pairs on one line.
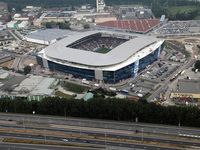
[[3, 6], [100, 4], [5, 58], [17, 24], [48, 36], [187, 89], [162, 18]]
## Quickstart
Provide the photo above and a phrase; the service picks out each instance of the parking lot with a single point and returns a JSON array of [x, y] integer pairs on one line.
[[179, 27]]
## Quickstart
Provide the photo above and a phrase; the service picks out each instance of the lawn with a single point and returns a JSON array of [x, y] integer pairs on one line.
[[74, 87], [61, 94], [103, 50]]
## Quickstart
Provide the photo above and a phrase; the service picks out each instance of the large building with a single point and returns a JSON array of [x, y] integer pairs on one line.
[[100, 4], [101, 55], [187, 89], [47, 36]]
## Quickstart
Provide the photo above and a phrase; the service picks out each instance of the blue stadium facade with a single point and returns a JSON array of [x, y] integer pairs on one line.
[[129, 71]]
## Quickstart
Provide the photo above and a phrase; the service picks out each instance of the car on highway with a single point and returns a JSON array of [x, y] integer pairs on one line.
[[65, 140]]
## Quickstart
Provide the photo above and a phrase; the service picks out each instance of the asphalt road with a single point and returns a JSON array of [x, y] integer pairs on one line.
[[126, 126], [11, 146], [167, 81], [73, 140], [97, 133], [130, 127]]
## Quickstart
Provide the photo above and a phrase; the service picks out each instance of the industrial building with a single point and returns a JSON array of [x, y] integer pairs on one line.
[[16, 24], [187, 89], [35, 87], [48, 36], [5, 57], [101, 55]]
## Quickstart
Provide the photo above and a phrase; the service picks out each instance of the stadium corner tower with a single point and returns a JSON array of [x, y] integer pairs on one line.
[[101, 55]]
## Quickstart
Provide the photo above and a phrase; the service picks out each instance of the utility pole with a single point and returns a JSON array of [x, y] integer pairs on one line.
[[142, 136], [23, 123], [105, 137], [80, 128], [44, 136]]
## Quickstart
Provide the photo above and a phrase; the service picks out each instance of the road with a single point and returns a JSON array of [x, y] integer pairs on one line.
[[87, 141], [167, 81], [12, 146], [106, 129], [125, 126], [95, 133]]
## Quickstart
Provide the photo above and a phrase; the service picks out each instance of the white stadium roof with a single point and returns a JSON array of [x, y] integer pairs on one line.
[[60, 51]]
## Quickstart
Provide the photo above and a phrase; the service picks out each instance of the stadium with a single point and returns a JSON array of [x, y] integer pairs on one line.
[[101, 55]]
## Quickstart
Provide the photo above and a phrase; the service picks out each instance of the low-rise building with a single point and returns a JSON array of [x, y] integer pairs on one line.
[[187, 89]]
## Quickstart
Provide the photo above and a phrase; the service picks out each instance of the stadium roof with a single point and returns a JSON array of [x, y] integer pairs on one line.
[[189, 86], [60, 51], [49, 34], [137, 25]]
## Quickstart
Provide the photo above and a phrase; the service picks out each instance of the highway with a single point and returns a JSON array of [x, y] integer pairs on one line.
[[92, 133], [96, 142], [109, 132], [125, 126], [12, 146]]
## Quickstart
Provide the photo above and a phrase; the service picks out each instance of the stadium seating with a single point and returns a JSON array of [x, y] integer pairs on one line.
[[93, 44], [137, 25]]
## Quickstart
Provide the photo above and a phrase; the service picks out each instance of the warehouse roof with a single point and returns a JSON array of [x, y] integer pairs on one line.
[[189, 86], [49, 34]]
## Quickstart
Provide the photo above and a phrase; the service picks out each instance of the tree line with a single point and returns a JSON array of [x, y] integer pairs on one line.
[[60, 25], [110, 108], [19, 4]]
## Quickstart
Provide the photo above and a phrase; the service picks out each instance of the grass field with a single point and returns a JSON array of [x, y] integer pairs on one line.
[[74, 87], [103, 50]]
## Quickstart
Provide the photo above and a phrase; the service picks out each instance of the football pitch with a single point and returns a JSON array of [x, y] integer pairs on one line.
[[103, 50]]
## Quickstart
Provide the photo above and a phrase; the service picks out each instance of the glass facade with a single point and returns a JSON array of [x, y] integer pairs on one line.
[[130, 70], [76, 72], [148, 59], [116, 76], [39, 60], [108, 76]]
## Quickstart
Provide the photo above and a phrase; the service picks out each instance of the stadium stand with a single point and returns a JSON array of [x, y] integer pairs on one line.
[[96, 42], [137, 25]]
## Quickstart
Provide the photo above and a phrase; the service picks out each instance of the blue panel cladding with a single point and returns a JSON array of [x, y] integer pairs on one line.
[[76, 72]]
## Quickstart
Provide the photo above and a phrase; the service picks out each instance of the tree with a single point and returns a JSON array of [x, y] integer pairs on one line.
[[27, 69], [197, 65], [86, 26], [64, 25]]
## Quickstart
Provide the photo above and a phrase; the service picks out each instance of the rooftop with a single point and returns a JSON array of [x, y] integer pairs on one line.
[[59, 51], [188, 86], [49, 34], [36, 85]]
